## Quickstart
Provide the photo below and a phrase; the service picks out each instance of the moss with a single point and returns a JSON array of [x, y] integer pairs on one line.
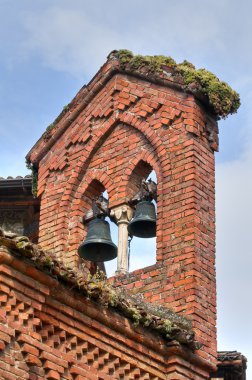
[[222, 99], [167, 324], [22, 245], [66, 108], [134, 314], [147, 321], [153, 63], [48, 262], [124, 56], [47, 134], [34, 172]]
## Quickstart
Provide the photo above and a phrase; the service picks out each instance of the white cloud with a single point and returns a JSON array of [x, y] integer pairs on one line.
[[77, 37], [68, 40], [234, 249]]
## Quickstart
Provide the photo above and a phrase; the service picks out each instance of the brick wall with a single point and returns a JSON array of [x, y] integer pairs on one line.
[[118, 127], [48, 331]]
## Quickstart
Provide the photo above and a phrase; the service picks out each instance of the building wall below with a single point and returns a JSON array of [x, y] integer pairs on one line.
[[50, 332]]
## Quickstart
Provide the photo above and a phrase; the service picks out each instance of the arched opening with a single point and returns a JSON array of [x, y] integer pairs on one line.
[[143, 251], [141, 171], [94, 189], [96, 192]]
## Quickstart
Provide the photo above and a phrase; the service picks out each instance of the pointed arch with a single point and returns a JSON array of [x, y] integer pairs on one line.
[[140, 167], [95, 186], [100, 180], [102, 135], [154, 156]]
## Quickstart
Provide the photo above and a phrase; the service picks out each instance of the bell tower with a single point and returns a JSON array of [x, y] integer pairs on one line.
[[140, 114]]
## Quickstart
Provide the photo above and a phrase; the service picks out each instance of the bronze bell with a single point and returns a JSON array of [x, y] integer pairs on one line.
[[98, 245], [143, 224]]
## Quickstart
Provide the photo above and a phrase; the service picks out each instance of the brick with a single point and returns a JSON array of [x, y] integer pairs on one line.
[[30, 349], [54, 359], [7, 330], [53, 366], [53, 375], [5, 337], [33, 360]]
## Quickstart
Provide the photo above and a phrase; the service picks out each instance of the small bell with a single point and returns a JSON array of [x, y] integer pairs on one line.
[[143, 224], [98, 245]]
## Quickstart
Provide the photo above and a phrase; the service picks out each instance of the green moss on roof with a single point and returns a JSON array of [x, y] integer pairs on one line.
[[221, 97], [153, 63]]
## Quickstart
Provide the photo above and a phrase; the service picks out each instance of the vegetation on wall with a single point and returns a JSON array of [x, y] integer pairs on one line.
[[34, 173], [47, 134], [222, 99]]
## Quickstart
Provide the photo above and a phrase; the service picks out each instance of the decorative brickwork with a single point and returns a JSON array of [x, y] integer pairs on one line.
[[172, 326], [50, 332]]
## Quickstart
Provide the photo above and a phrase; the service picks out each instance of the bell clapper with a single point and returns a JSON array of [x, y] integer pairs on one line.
[[129, 242]]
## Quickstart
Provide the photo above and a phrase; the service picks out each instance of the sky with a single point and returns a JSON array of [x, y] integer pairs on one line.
[[50, 48]]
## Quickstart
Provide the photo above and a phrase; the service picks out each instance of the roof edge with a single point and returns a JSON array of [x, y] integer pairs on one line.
[[111, 67], [69, 114], [15, 183]]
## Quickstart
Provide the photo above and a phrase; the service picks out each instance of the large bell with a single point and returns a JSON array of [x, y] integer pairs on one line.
[[143, 224], [98, 245]]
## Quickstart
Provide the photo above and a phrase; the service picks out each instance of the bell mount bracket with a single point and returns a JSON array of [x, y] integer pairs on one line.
[[99, 209], [147, 192]]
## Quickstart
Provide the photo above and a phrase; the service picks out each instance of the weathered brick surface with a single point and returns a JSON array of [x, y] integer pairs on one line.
[[119, 128], [50, 332]]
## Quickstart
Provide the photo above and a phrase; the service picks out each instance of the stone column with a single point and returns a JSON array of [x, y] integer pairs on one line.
[[122, 214]]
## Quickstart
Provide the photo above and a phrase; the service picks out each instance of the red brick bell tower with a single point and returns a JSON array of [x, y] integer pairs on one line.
[[136, 116]]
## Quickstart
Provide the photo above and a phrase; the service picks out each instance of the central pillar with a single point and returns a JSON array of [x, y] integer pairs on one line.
[[122, 214]]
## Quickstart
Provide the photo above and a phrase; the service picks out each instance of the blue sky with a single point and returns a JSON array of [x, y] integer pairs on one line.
[[50, 48]]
